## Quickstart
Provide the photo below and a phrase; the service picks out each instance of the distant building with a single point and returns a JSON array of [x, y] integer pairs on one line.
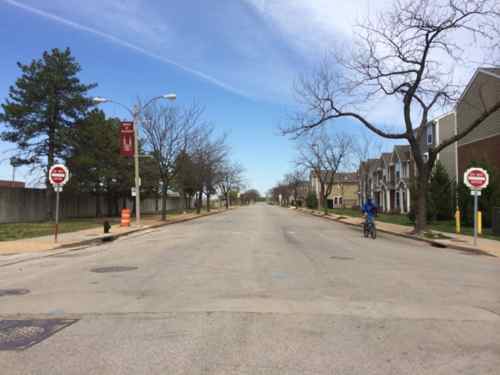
[[12, 184], [344, 190]]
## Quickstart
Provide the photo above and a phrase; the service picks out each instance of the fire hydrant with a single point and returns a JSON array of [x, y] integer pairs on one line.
[[106, 226]]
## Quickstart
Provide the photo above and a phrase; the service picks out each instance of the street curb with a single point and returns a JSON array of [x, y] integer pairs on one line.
[[113, 237], [433, 243], [76, 246]]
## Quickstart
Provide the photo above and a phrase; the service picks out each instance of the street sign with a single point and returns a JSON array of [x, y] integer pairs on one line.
[[58, 174], [127, 138], [476, 178]]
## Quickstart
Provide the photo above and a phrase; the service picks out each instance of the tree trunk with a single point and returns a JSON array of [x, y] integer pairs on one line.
[[421, 204], [164, 202], [199, 202], [98, 210], [227, 200], [208, 202]]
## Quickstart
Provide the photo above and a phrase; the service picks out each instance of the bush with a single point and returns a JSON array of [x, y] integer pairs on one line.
[[311, 200]]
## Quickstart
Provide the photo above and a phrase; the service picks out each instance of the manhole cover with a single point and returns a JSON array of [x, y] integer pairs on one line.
[[113, 269], [13, 292], [21, 334], [279, 275]]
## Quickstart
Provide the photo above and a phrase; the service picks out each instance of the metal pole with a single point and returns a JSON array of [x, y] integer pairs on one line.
[[57, 213], [475, 218], [136, 169]]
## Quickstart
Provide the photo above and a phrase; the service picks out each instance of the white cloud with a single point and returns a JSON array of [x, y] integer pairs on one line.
[[124, 43]]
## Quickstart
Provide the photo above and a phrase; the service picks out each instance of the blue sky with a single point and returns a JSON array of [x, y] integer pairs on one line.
[[237, 58]]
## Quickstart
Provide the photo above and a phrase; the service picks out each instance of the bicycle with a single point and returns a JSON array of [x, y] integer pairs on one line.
[[369, 229]]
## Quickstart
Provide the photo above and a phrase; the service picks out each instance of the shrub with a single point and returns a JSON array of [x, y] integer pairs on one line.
[[311, 200]]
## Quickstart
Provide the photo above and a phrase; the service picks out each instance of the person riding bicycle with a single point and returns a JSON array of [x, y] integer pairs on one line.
[[370, 210]]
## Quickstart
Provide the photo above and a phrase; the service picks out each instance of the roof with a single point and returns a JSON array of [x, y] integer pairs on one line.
[[346, 177], [343, 177], [403, 152], [386, 157]]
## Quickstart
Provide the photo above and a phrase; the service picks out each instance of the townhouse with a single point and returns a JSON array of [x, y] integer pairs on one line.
[[387, 179]]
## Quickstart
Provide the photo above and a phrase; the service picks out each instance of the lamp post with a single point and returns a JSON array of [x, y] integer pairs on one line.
[[135, 113]]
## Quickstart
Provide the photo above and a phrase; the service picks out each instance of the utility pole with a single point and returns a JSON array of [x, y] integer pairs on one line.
[[136, 167], [136, 114]]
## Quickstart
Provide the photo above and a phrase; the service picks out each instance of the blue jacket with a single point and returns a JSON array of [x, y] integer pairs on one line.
[[370, 209]]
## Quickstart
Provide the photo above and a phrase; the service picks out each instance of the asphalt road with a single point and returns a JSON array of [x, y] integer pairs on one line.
[[257, 290]]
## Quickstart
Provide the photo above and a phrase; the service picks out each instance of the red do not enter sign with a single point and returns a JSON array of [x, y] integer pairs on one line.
[[476, 178], [58, 174]]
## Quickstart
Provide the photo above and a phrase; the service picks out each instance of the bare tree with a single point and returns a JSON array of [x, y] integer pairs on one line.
[[323, 156], [208, 156], [250, 196], [403, 56], [296, 180], [231, 179], [167, 133]]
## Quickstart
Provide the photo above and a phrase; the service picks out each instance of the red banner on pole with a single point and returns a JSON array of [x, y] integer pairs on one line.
[[127, 138]]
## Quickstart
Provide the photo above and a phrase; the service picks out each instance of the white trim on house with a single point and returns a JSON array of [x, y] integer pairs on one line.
[[437, 140], [456, 148], [443, 116], [483, 70]]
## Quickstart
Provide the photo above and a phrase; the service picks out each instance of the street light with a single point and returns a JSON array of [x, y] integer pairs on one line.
[[135, 112]]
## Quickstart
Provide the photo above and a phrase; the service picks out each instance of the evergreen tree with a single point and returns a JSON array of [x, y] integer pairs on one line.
[[43, 104], [440, 193], [311, 200], [93, 157]]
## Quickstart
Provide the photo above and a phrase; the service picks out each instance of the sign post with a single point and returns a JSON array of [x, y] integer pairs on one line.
[[476, 179], [58, 176], [127, 138]]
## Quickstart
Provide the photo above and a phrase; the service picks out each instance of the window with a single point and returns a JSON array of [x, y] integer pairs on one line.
[[429, 135]]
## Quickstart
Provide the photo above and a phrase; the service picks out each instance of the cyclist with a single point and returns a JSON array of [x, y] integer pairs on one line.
[[370, 210]]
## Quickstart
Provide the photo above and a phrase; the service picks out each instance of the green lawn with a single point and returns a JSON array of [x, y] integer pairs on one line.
[[16, 231], [442, 226]]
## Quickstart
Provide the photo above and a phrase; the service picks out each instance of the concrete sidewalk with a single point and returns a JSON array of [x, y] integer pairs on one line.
[[455, 241], [88, 236]]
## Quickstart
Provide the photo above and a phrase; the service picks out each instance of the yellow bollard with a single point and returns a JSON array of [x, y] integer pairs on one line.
[[479, 222], [457, 221]]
